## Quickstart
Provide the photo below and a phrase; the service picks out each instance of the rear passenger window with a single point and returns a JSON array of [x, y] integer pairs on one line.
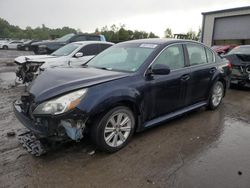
[[196, 54], [210, 56], [91, 49], [172, 57]]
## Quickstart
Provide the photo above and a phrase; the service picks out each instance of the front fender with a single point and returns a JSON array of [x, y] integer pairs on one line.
[[105, 100]]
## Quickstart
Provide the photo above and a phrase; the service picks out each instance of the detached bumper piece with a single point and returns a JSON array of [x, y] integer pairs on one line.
[[33, 145]]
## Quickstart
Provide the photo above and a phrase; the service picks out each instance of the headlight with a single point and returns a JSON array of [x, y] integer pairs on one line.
[[61, 104]]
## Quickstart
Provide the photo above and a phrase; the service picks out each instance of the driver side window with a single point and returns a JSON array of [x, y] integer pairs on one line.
[[173, 57]]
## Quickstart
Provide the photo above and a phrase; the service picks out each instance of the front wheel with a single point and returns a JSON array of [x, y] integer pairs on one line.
[[5, 47], [113, 130], [216, 95]]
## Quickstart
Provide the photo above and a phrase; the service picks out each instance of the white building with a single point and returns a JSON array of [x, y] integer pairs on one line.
[[230, 26]]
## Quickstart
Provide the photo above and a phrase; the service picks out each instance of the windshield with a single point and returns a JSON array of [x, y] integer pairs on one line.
[[241, 50], [125, 57], [66, 50], [65, 37]]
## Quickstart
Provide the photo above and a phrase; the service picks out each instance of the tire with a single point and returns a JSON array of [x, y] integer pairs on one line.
[[109, 134], [26, 48], [5, 47], [216, 95]]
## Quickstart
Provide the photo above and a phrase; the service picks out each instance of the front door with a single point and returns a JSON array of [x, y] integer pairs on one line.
[[169, 91], [89, 51]]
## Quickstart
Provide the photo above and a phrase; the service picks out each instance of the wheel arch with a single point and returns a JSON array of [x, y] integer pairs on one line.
[[216, 78], [129, 103]]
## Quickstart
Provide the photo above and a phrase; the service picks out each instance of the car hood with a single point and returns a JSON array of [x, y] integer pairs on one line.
[[34, 58], [56, 81]]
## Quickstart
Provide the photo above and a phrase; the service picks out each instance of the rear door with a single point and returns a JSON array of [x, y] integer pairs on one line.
[[202, 65], [169, 91]]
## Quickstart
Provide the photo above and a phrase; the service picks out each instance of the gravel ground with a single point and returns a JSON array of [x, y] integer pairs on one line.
[[199, 149]]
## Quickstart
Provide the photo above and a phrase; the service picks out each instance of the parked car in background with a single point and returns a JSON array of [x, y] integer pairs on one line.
[[48, 47], [240, 60], [26, 46], [71, 55], [9, 45], [127, 88], [223, 49]]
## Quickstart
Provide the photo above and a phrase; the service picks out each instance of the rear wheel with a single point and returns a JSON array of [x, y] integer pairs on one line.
[[216, 95], [113, 130]]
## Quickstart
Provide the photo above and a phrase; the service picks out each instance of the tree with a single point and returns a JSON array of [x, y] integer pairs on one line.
[[10, 31], [152, 35], [120, 33], [168, 33], [192, 35]]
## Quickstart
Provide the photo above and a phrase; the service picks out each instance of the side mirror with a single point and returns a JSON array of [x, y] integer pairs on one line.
[[78, 54], [160, 69]]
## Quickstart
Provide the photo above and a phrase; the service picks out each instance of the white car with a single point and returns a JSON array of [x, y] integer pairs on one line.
[[71, 55], [9, 45]]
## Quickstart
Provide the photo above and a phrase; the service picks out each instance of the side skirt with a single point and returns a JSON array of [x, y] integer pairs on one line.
[[174, 114]]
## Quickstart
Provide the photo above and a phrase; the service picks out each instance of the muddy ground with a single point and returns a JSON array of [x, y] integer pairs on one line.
[[199, 149]]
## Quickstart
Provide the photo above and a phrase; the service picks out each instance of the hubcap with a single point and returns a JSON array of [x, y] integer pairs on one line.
[[217, 95], [117, 129]]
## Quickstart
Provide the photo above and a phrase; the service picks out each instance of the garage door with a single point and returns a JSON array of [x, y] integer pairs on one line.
[[236, 27]]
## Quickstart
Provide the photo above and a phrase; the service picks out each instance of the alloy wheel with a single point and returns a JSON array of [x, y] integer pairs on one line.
[[117, 129], [217, 94]]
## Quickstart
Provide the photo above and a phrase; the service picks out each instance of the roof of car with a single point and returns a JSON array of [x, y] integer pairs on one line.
[[158, 40], [92, 42]]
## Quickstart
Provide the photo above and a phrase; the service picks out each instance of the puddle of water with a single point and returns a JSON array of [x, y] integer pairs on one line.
[[7, 80], [225, 164]]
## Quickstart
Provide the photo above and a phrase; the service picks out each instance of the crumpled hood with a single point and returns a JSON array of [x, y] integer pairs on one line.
[[56, 81], [34, 58]]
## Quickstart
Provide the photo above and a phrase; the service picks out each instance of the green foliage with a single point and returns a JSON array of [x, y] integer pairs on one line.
[[119, 34], [191, 34], [10, 31], [168, 33]]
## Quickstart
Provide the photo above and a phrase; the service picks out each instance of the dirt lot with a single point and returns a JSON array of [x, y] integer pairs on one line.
[[200, 149]]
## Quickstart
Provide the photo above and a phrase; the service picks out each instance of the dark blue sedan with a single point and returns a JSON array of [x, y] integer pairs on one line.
[[125, 89]]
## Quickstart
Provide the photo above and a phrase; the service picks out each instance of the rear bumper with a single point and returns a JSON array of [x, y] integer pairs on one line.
[[240, 78]]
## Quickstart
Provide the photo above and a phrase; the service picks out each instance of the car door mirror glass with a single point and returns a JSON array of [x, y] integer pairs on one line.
[[160, 69], [78, 54]]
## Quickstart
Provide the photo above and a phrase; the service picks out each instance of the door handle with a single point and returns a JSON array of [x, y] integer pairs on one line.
[[185, 77], [212, 70]]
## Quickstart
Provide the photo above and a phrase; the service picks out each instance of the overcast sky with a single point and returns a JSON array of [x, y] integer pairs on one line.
[[148, 15]]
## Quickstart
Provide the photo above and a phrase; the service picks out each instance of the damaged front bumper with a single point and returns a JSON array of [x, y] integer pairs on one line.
[[68, 126], [28, 71]]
